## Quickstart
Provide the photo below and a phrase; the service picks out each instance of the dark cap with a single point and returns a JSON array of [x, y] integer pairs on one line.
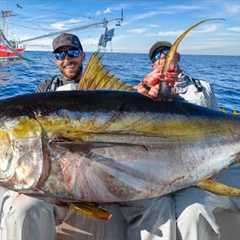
[[66, 40], [157, 46]]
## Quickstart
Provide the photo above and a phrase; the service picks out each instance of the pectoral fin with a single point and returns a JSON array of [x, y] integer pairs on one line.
[[175, 45], [218, 188], [90, 210]]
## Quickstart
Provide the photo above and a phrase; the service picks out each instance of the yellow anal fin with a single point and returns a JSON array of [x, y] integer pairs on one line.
[[218, 188], [97, 77], [90, 210]]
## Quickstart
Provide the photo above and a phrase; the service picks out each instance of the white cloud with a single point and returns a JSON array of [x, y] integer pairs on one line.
[[233, 9], [74, 20], [207, 29], [89, 42], [165, 10], [234, 29], [61, 25], [58, 26], [137, 30], [43, 44], [145, 15], [170, 33], [183, 7], [107, 10], [98, 12], [154, 25], [120, 37]]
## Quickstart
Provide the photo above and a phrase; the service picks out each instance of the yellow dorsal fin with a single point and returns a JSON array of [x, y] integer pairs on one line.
[[218, 188], [97, 77], [90, 210], [175, 45]]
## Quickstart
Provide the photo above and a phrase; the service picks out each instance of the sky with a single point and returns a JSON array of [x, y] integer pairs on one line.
[[145, 22]]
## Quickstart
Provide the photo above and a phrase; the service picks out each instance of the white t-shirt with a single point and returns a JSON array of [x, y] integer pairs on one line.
[[67, 87]]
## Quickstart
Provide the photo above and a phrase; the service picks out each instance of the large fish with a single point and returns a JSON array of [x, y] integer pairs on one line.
[[110, 146]]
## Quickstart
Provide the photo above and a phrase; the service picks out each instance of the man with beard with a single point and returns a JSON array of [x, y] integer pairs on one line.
[[25, 218], [69, 56]]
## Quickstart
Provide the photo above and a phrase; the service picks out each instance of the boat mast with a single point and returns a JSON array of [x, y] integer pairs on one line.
[[5, 15]]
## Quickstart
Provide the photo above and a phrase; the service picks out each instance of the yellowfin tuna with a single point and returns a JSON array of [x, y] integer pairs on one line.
[[110, 146]]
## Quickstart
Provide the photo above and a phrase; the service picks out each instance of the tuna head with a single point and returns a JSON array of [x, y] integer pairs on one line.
[[21, 153]]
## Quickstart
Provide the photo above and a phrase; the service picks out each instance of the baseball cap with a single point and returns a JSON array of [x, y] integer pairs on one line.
[[157, 46], [66, 40]]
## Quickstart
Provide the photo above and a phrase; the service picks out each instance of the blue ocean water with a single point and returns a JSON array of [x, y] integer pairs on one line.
[[223, 71]]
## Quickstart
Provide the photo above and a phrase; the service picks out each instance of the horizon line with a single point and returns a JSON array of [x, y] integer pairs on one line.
[[186, 54]]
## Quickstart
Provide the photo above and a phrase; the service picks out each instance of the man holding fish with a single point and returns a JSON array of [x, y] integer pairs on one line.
[[129, 218], [192, 90], [196, 210], [34, 218], [122, 224]]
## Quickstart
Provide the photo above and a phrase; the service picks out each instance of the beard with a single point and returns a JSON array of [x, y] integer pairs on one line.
[[74, 74]]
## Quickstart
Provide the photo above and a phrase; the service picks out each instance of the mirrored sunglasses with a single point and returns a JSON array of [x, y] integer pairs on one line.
[[70, 53], [159, 52]]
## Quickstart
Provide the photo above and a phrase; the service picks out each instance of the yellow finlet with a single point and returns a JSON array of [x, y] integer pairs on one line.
[[222, 109], [235, 112], [175, 45], [97, 77], [90, 210], [218, 188]]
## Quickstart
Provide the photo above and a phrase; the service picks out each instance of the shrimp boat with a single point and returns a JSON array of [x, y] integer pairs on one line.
[[7, 53], [9, 49]]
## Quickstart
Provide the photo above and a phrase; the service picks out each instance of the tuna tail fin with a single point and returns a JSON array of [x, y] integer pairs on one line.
[[97, 77], [175, 45], [218, 188], [90, 210]]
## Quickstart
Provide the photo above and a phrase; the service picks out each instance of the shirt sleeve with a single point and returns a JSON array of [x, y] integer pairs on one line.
[[204, 97]]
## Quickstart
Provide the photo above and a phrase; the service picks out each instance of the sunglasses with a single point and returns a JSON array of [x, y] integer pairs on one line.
[[159, 52], [70, 53]]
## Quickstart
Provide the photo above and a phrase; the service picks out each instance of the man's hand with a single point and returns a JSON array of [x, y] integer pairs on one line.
[[151, 82], [150, 85]]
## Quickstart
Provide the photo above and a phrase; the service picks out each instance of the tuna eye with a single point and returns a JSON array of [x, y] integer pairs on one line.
[[6, 155]]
